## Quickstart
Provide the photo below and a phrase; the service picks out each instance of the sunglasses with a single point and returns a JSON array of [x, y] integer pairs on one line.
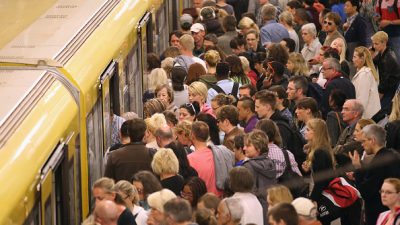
[[328, 23]]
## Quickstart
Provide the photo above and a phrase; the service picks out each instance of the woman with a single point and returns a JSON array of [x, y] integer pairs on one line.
[[194, 72], [220, 100], [246, 24], [165, 164], [393, 126], [319, 156], [153, 123], [282, 102], [157, 201], [153, 106], [358, 137], [212, 125], [130, 195], [181, 152], [306, 109], [278, 194], [296, 65], [211, 58], [209, 201], [390, 196], [311, 42], [193, 189], [145, 183], [189, 111], [287, 20], [103, 189], [240, 156], [236, 70], [182, 131], [366, 82], [157, 76], [178, 76], [260, 165], [164, 92], [334, 119], [241, 183], [253, 44], [198, 93], [248, 71]]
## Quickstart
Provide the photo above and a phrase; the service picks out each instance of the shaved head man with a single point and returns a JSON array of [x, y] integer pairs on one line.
[[106, 213]]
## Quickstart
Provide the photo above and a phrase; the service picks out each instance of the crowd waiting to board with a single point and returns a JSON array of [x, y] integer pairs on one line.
[[264, 112]]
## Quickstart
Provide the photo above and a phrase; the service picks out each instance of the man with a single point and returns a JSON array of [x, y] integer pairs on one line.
[[271, 31], [352, 112], [335, 80], [331, 24], [131, 158], [224, 83], [164, 136], [369, 178], [247, 90], [106, 213], [229, 211], [229, 26], [210, 42], [247, 113], [306, 210], [283, 214], [228, 119], [198, 33], [238, 45], [296, 90], [187, 58], [355, 28], [202, 159], [178, 211], [387, 63]]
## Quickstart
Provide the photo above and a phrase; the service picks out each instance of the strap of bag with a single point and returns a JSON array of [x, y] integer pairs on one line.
[[338, 120], [235, 89], [217, 88], [287, 161]]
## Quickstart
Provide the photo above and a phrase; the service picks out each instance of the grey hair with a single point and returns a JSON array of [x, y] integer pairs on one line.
[[377, 132], [357, 106], [334, 63], [310, 27], [268, 12], [234, 207]]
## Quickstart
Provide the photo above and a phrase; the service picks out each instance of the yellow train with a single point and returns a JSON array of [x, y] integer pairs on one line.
[[64, 66]]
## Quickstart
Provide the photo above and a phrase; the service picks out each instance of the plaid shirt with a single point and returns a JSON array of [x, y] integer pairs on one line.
[[276, 154]]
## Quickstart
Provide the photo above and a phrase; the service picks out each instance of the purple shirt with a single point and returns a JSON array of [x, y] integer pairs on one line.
[[251, 124]]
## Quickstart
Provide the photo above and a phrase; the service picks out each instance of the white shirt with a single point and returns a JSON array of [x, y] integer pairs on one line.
[[252, 209]]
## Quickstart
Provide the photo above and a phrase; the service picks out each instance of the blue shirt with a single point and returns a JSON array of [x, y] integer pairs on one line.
[[273, 32]]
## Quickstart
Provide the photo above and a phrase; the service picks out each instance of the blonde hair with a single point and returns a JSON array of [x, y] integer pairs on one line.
[[183, 127], [247, 23], [395, 182], [167, 65], [199, 88], [395, 114], [287, 18], [279, 194], [299, 64], [157, 199], [320, 140], [343, 53], [364, 53], [380, 36], [105, 183], [187, 42], [157, 76], [156, 121], [128, 189], [245, 63], [212, 57], [165, 161]]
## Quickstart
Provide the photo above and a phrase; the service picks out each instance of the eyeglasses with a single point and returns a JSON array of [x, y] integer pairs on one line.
[[323, 69], [387, 192], [187, 195], [328, 23]]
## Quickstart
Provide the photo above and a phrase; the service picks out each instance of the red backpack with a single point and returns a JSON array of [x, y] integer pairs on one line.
[[341, 193]]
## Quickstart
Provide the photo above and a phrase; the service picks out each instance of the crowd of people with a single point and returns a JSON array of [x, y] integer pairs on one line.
[[264, 112]]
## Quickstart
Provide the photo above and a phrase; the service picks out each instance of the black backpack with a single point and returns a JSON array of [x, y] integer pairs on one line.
[[234, 92], [296, 184]]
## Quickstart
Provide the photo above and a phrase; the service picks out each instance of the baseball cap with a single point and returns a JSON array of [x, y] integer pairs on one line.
[[186, 18], [197, 27], [305, 207]]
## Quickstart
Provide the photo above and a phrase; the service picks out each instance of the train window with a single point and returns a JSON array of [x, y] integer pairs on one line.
[[162, 28], [95, 144], [133, 87], [34, 215]]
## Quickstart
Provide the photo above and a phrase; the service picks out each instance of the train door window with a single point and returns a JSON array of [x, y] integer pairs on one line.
[[145, 37], [110, 99], [162, 28], [133, 90], [95, 143]]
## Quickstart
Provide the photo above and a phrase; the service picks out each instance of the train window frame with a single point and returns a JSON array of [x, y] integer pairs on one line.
[[34, 217]]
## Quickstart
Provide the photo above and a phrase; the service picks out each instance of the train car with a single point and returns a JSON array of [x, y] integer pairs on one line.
[[66, 67]]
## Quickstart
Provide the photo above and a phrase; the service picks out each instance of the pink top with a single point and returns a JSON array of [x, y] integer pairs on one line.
[[202, 160]]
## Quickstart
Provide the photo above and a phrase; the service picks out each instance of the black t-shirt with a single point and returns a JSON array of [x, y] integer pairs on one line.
[[175, 184], [126, 218]]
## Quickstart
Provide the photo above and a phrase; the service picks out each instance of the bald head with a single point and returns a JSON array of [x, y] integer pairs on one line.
[[106, 213], [164, 135]]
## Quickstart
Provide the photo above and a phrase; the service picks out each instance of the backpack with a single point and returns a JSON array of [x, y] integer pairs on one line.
[[296, 144], [296, 184], [234, 92], [341, 193]]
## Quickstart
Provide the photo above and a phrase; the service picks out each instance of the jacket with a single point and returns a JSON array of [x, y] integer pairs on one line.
[[369, 180], [356, 35], [393, 134], [285, 131], [264, 171], [367, 91], [126, 161], [388, 68], [224, 159]]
